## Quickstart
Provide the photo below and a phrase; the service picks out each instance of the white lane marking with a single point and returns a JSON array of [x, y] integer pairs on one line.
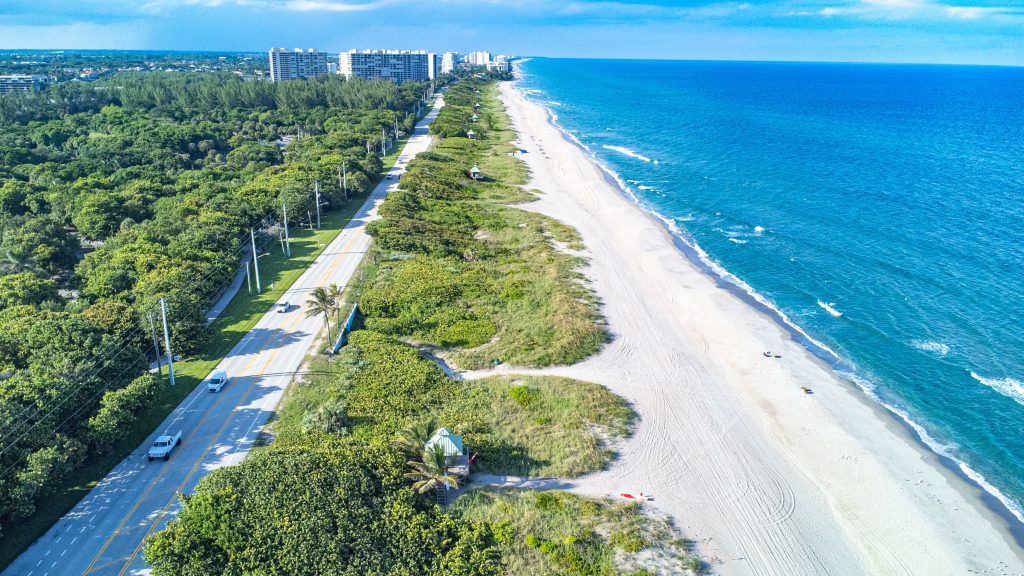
[[75, 540], [58, 539], [47, 554], [64, 552], [83, 529], [40, 562]]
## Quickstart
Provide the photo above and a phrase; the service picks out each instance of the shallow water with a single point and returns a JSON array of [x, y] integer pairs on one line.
[[880, 208]]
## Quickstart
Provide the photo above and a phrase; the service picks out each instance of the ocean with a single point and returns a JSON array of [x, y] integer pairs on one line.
[[879, 209]]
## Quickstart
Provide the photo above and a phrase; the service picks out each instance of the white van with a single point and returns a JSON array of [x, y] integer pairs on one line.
[[217, 381]]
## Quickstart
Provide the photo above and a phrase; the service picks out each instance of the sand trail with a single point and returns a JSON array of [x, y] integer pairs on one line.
[[766, 479]]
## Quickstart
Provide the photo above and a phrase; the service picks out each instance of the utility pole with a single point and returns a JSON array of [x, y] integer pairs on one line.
[[309, 219], [396, 129], [287, 241], [344, 181], [255, 258], [383, 142], [248, 280], [167, 341], [316, 188], [156, 345]]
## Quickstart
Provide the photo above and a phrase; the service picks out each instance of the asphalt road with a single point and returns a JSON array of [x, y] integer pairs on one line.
[[105, 533]]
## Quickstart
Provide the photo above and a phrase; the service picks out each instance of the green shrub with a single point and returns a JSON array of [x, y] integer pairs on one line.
[[523, 395], [504, 533], [532, 541], [330, 417], [547, 501], [627, 541], [692, 563]]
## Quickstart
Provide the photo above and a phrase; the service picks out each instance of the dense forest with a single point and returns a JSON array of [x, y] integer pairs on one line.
[[117, 193]]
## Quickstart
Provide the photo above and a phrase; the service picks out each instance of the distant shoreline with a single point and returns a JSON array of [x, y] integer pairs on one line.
[[999, 512]]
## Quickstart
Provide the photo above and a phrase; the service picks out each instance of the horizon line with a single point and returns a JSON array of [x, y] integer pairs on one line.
[[647, 59]]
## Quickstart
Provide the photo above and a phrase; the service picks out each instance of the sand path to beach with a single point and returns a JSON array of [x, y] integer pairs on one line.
[[767, 479]]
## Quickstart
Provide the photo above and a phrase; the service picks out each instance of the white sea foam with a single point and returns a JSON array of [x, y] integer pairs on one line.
[[828, 307], [1008, 387], [758, 229], [645, 187], [930, 346], [864, 384], [627, 152], [738, 241], [934, 445]]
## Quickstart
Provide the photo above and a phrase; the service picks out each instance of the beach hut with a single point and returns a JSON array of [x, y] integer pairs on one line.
[[458, 459], [475, 173], [452, 443], [476, 118], [471, 135]]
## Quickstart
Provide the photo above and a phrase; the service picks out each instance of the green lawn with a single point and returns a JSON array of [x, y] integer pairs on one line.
[[234, 322]]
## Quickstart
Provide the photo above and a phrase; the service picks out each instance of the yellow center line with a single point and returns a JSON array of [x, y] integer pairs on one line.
[[334, 263], [341, 254], [160, 474]]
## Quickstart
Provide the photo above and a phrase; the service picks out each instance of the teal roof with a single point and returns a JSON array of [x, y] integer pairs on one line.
[[452, 443]]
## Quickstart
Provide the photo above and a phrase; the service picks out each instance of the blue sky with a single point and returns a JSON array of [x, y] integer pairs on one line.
[[950, 31]]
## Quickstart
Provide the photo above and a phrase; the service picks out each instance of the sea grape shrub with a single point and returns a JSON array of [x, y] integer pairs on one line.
[[523, 395], [118, 411], [335, 510]]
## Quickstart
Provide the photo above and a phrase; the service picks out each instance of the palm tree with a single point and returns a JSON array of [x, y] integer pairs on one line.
[[19, 260], [336, 293], [432, 472], [411, 439], [321, 302]]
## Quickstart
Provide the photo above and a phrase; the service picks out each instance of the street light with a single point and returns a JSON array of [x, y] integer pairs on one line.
[[255, 257]]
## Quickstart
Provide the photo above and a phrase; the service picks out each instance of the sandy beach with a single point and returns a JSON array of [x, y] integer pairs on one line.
[[766, 479]]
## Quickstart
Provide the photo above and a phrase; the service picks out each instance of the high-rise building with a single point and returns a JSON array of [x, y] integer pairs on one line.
[[432, 66], [500, 63], [10, 83], [479, 58], [448, 62], [396, 65], [291, 64]]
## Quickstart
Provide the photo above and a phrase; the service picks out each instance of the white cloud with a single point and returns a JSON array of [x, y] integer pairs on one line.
[[327, 6], [286, 5], [905, 9]]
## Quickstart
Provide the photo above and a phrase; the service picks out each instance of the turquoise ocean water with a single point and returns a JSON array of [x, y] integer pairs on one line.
[[878, 208]]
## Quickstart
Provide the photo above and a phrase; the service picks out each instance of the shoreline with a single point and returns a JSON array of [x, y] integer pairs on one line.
[[1000, 526], [990, 496]]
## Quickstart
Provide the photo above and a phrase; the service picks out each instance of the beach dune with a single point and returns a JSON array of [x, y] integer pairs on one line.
[[765, 478]]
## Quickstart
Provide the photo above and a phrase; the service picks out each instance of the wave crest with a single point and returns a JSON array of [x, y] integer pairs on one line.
[[627, 152], [828, 307], [1008, 387]]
